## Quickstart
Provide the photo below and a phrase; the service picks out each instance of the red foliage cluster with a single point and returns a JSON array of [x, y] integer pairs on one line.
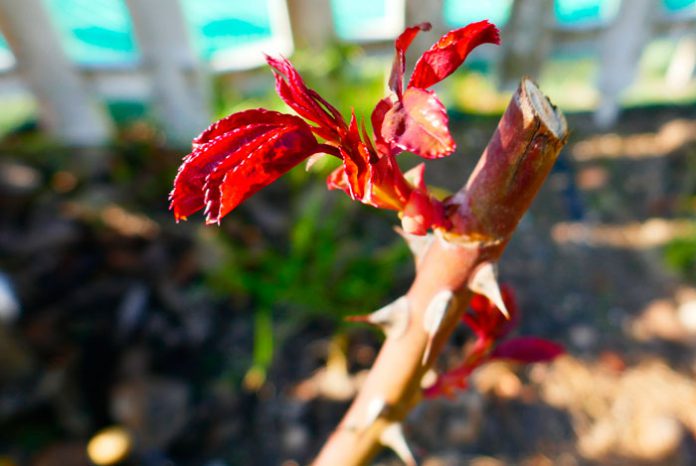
[[491, 327], [238, 155]]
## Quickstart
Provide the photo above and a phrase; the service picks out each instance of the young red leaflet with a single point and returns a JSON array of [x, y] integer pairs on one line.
[[240, 154]]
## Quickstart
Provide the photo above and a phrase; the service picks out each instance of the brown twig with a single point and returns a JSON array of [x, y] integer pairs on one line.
[[485, 213]]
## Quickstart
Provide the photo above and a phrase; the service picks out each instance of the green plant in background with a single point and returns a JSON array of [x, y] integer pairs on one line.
[[680, 256], [313, 275]]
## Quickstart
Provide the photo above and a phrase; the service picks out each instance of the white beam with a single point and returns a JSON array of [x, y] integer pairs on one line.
[[177, 82], [621, 48], [526, 41], [66, 108], [311, 23]]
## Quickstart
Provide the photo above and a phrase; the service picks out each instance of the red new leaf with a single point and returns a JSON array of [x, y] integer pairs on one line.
[[381, 185], [356, 162], [418, 123], [390, 190], [422, 211], [377, 118], [396, 79], [357, 175], [487, 321], [527, 350], [306, 102], [229, 163], [450, 51], [243, 152]]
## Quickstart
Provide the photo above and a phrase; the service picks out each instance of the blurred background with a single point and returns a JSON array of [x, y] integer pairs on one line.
[[128, 339]]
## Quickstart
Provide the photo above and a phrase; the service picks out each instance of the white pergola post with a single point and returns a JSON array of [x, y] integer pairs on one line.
[[66, 108], [179, 91], [311, 23], [621, 47], [526, 41]]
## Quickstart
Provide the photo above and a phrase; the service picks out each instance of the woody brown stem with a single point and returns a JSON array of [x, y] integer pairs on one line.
[[486, 211]]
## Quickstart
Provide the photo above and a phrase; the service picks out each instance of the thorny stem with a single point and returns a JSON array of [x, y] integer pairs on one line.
[[515, 163]]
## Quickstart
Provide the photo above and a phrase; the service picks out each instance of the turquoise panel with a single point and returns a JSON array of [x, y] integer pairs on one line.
[[94, 32], [220, 25], [100, 32], [352, 18], [458, 13], [583, 13], [6, 57], [678, 7]]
